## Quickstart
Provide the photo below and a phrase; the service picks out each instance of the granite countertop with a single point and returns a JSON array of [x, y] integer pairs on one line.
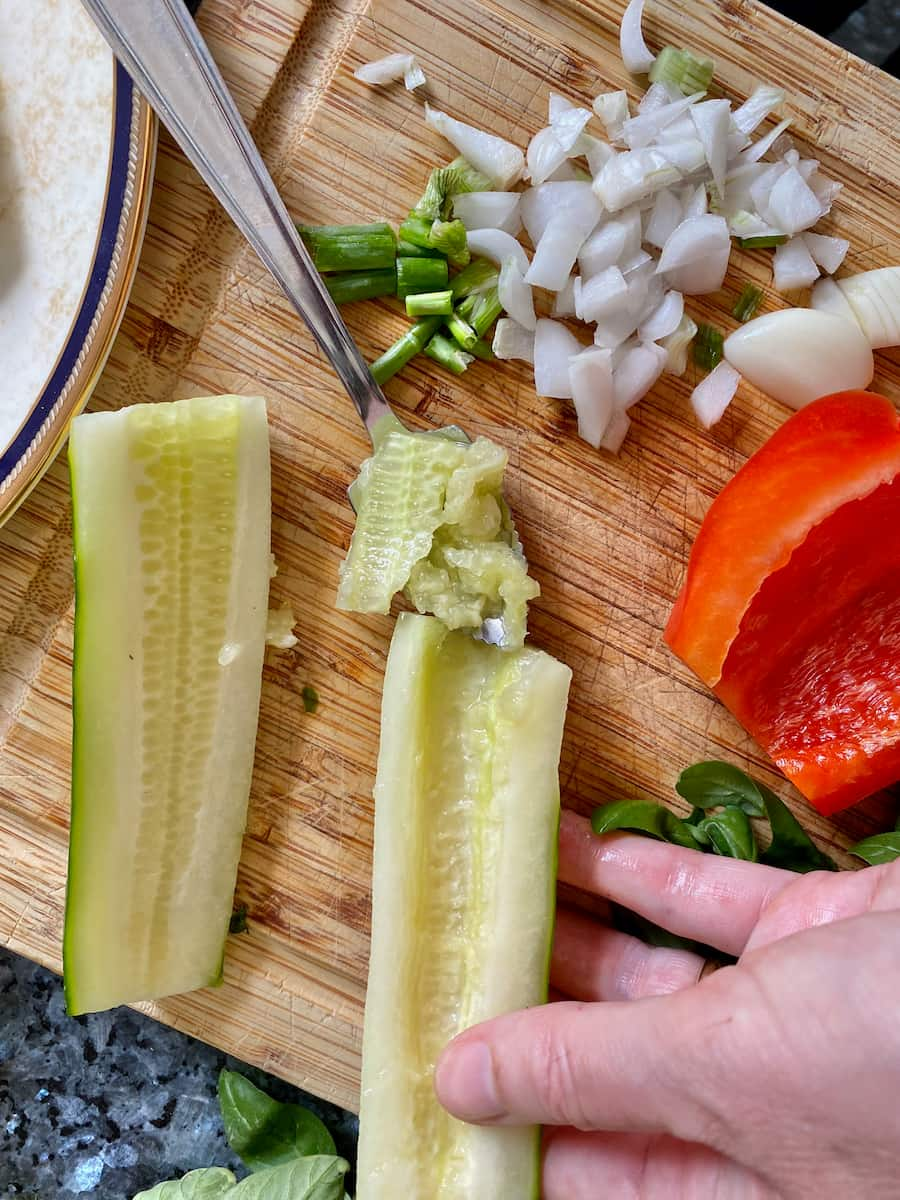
[[109, 1104]]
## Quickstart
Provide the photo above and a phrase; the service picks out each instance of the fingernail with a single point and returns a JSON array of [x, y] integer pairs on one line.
[[466, 1084]]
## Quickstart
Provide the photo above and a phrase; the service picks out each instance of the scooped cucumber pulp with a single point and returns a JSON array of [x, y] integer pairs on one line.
[[172, 510], [431, 520], [466, 817]]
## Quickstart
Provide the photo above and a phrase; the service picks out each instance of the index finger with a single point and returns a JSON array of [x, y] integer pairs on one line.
[[706, 897]]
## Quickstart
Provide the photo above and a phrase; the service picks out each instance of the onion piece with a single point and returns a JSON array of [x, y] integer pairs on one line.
[[826, 190], [637, 372], [616, 431], [563, 237], [497, 246], [553, 347], [591, 381], [643, 129], [685, 154], [828, 252], [489, 210], [540, 203], [635, 55], [874, 297], [711, 120], [793, 205], [612, 109], [755, 152], [666, 216], [762, 101], [616, 329], [751, 225], [696, 202], [603, 248], [711, 396], [695, 257], [390, 68], [501, 161], [676, 346], [567, 120], [544, 155], [564, 300], [664, 319], [596, 152], [762, 185], [511, 340], [828, 297], [794, 266], [635, 175], [515, 294], [598, 296], [799, 354]]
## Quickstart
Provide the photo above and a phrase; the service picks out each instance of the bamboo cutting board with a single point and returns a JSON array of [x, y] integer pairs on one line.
[[607, 537]]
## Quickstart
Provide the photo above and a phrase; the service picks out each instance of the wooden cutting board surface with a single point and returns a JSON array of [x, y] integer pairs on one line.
[[607, 537]]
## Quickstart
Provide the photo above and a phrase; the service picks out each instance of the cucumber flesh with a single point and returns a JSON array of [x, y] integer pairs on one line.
[[431, 519], [172, 508], [466, 816]]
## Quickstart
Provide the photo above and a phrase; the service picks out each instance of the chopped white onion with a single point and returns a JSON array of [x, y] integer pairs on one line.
[[755, 152], [634, 175], [540, 203], [595, 151], [800, 354], [711, 396], [390, 68], [762, 186], [763, 100], [489, 210], [826, 190], [695, 201], [633, 262], [636, 373], [792, 204], [545, 155], [591, 380], [612, 109], [616, 431], [501, 161], [497, 246], [750, 225], [664, 219], [596, 297], [604, 247], [616, 329], [511, 340], [553, 347], [515, 294], [555, 253], [643, 129], [695, 257], [828, 297], [794, 266], [828, 252], [874, 297], [635, 55], [567, 120], [735, 143], [566, 172], [685, 154], [676, 346], [664, 319], [711, 120], [564, 300], [654, 295]]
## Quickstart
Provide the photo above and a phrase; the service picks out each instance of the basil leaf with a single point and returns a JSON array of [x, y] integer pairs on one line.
[[207, 1184], [709, 784], [731, 834], [265, 1133], [318, 1177], [791, 848], [643, 816], [878, 849]]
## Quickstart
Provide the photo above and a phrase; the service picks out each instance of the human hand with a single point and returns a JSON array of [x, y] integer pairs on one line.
[[776, 1077]]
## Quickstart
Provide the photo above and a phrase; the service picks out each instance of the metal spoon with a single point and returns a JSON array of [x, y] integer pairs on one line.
[[159, 45]]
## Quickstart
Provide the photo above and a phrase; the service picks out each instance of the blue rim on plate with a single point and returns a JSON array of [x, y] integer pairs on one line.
[[103, 300]]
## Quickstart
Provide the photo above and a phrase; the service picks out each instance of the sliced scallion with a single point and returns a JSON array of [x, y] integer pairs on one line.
[[448, 354], [462, 331], [346, 286], [416, 230], [478, 276], [747, 305], [708, 347], [762, 243], [412, 343], [482, 350], [446, 182], [430, 304], [420, 275], [407, 249], [450, 238], [486, 311], [682, 69], [350, 247]]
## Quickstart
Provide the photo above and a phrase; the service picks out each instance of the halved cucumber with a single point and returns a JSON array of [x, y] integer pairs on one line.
[[172, 510], [466, 816]]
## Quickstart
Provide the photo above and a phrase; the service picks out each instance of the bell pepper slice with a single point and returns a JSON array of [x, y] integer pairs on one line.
[[791, 607]]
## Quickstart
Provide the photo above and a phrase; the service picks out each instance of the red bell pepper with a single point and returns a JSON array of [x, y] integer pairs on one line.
[[791, 607]]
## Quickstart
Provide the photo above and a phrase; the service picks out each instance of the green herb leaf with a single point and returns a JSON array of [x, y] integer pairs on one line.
[[319, 1177], [731, 834], [642, 816], [878, 849], [310, 698], [238, 922], [207, 1184], [791, 848], [713, 783], [265, 1133]]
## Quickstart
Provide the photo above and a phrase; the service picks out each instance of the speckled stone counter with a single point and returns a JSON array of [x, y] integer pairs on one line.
[[109, 1104]]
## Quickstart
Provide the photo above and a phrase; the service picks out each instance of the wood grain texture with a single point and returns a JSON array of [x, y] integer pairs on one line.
[[608, 538]]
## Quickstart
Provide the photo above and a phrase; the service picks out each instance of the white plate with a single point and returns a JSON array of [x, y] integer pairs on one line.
[[77, 146]]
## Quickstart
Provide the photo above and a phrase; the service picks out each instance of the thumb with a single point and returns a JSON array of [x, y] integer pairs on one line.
[[642, 1065]]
